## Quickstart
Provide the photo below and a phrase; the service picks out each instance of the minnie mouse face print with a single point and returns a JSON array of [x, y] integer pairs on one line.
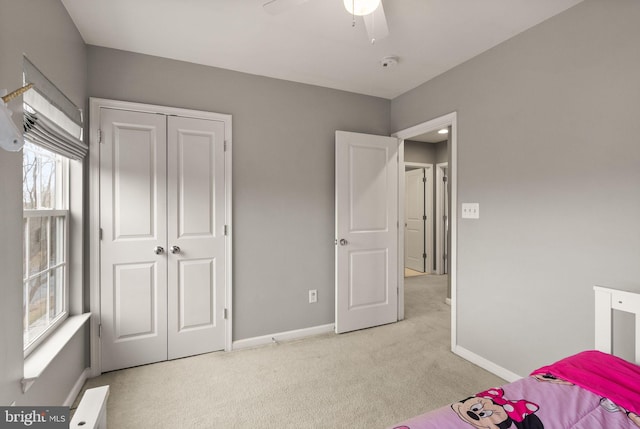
[[491, 410], [480, 412], [548, 378]]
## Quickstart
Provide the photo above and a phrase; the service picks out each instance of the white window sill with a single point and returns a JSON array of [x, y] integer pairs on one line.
[[45, 353]]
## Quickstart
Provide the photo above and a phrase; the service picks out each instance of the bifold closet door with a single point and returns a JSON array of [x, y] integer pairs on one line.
[[133, 265], [162, 252], [196, 236]]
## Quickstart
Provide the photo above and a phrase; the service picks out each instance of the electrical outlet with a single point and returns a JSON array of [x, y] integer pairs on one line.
[[313, 296], [470, 211]]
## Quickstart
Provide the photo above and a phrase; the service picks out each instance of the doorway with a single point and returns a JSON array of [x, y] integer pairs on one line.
[[448, 122]]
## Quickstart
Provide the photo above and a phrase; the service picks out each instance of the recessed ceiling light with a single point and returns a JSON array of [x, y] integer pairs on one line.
[[443, 131]]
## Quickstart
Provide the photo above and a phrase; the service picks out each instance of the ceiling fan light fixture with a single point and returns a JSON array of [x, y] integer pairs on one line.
[[361, 7]]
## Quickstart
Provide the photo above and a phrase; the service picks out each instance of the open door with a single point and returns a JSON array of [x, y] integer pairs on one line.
[[366, 231]]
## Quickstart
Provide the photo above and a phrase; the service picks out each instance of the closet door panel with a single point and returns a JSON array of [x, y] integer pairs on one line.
[[133, 276], [196, 241]]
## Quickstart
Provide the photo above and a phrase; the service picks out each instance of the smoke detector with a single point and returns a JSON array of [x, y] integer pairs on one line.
[[388, 62]]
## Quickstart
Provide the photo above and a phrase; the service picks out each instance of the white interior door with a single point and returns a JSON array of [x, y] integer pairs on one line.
[[196, 238], [415, 253], [133, 225], [366, 231], [163, 247]]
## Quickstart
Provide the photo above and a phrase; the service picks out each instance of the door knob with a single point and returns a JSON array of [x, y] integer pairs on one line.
[[158, 250], [175, 249], [343, 242]]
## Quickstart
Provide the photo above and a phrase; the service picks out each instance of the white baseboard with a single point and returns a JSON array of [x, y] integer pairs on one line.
[[282, 336], [486, 364], [75, 390]]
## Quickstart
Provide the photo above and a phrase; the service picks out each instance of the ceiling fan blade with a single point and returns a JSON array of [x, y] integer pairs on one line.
[[275, 7], [376, 24]]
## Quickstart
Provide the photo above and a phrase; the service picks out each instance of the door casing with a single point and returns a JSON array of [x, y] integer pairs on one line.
[[447, 120], [94, 210], [440, 212]]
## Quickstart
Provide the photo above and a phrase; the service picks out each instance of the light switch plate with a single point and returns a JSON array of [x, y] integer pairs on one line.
[[470, 211]]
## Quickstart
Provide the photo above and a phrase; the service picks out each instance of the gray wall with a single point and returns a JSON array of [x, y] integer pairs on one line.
[[419, 152], [442, 151], [43, 31], [283, 175], [548, 145]]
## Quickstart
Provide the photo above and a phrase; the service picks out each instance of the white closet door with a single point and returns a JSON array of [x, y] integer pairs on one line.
[[196, 237], [133, 221]]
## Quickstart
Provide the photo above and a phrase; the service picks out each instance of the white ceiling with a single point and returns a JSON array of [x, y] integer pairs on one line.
[[430, 137], [314, 42]]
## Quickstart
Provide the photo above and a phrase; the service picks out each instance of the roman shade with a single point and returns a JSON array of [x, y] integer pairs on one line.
[[51, 120]]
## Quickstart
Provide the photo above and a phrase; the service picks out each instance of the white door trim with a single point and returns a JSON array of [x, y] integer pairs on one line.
[[94, 210], [439, 217], [434, 124]]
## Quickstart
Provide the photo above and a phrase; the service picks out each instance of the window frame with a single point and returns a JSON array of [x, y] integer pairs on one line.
[[62, 209]]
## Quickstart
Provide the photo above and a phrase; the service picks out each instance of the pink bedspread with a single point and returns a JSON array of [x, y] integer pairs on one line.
[[601, 373], [547, 400]]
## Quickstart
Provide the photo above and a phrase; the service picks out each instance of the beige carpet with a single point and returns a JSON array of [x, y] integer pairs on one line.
[[408, 272], [366, 379]]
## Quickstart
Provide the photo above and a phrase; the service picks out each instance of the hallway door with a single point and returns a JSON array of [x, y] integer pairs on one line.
[[366, 231], [415, 252]]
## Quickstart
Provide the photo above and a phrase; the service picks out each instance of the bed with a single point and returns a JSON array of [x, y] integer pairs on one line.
[[590, 390]]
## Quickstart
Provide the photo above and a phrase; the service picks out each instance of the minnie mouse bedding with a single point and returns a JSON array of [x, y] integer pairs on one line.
[[590, 390]]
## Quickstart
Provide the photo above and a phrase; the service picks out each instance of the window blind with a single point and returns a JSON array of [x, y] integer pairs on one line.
[[51, 120]]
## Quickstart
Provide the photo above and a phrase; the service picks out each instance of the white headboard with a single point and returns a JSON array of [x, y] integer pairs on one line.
[[608, 299]]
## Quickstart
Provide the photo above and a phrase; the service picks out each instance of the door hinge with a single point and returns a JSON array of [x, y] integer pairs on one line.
[[100, 330], [445, 179], [424, 180], [226, 314], [225, 145], [99, 136], [424, 217], [424, 256], [100, 233], [226, 230]]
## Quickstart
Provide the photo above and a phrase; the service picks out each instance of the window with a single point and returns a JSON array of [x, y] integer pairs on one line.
[[52, 188], [45, 237]]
